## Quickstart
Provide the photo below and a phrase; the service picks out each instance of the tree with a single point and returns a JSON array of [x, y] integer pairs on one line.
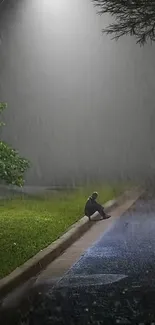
[[132, 17], [12, 166]]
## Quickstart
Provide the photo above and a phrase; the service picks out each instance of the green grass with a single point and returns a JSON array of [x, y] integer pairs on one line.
[[28, 224]]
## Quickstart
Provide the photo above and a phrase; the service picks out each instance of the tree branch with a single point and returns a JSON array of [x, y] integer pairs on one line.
[[132, 17]]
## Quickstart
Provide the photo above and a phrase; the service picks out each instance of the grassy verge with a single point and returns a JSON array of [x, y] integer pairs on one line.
[[27, 225]]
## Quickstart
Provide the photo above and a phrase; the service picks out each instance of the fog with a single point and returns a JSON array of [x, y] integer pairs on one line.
[[80, 106]]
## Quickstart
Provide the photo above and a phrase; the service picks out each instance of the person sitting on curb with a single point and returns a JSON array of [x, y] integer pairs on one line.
[[92, 206]]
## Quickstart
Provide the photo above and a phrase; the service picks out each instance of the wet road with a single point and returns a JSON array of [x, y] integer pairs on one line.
[[113, 282]]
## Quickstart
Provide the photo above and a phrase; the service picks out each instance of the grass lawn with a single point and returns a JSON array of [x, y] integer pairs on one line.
[[28, 224]]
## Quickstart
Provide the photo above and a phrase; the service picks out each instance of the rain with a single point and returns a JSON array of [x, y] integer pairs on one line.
[[80, 106]]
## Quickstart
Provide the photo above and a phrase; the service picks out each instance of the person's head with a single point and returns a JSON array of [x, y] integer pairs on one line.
[[94, 195]]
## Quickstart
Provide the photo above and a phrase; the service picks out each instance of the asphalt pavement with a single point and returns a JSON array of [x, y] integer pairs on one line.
[[112, 283]]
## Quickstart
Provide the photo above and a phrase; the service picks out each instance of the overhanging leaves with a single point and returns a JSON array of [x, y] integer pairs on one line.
[[135, 17]]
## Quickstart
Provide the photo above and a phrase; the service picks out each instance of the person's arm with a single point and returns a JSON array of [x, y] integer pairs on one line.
[[99, 206]]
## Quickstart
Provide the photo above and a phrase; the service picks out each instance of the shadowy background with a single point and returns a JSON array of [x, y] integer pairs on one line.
[[80, 106]]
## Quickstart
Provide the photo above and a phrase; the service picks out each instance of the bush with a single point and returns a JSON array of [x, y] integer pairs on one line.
[[12, 165]]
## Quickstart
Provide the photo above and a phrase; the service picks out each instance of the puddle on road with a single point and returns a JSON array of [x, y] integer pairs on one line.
[[90, 280]]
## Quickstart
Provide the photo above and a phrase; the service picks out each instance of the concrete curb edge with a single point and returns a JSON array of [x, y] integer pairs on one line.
[[41, 260]]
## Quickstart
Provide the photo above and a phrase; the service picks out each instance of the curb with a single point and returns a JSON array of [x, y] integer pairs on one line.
[[40, 261]]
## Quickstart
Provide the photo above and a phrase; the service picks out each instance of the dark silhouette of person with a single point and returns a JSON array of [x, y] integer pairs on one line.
[[92, 206]]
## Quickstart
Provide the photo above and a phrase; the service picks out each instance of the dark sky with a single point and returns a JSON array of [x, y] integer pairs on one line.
[[79, 104]]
